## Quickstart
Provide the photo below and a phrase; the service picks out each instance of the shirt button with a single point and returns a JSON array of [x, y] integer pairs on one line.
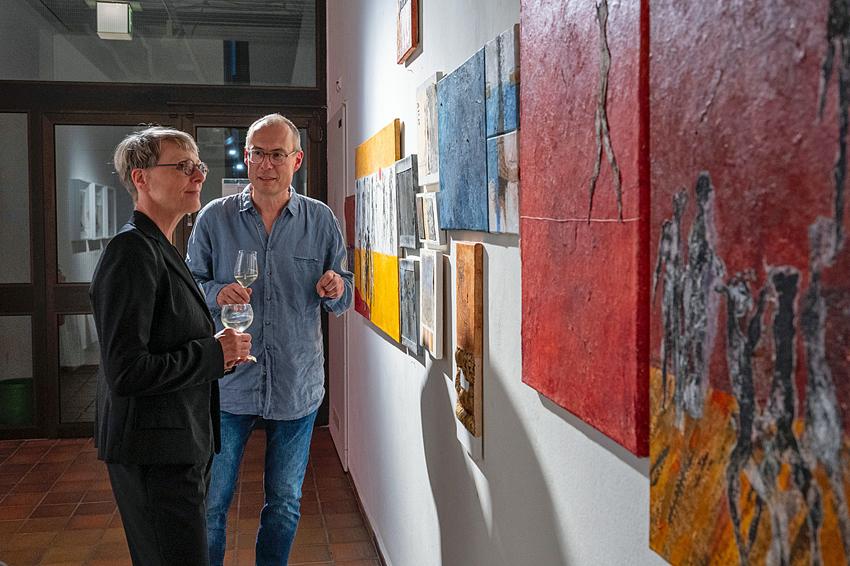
[[268, 299], [268, 322]]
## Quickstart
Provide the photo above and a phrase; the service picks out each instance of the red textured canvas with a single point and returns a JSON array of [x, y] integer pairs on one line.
[[750, 322], [585, 267]]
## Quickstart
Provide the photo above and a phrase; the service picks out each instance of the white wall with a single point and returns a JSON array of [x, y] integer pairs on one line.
[[549, 490]]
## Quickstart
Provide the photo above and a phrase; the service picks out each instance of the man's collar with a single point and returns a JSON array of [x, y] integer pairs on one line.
[[294, 205]]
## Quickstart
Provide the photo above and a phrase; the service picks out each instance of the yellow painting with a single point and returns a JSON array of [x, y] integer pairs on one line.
[[376, 241]]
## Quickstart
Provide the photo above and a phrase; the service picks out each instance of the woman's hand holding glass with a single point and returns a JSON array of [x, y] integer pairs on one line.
[[236, 347], [239, 318]]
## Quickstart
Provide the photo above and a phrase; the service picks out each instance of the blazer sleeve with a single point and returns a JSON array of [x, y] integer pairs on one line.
[[126, 305]]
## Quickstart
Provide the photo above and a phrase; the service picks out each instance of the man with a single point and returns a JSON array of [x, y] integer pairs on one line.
[[301, 254], [157, 397]]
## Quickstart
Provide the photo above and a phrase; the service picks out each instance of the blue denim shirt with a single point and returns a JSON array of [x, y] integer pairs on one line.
[[287, 382]]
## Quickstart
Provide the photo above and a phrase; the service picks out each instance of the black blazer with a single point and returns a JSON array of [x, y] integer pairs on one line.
[[157, 388]]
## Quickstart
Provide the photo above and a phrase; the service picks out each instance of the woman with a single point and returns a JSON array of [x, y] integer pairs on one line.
[[157, 420]]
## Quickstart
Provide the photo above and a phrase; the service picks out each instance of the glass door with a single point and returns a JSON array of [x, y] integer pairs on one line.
[[18, 287], [89, 205], [60, 204]]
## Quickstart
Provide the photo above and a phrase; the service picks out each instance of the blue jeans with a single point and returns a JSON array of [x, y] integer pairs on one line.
[[287, 451]]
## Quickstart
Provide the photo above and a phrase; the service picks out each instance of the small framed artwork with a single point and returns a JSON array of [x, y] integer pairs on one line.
[[431, 302], [407, 27], [428, 133], [428, 216], [408, 275], [406, 173]]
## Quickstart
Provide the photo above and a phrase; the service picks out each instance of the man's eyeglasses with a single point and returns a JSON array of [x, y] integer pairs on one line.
[[256, 156], [187, 167]]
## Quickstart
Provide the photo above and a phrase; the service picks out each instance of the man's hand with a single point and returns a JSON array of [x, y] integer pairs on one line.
[[233, 294], [236, 346], [330, 285]]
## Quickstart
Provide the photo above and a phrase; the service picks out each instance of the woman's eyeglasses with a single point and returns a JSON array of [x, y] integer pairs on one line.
[[187, 167]]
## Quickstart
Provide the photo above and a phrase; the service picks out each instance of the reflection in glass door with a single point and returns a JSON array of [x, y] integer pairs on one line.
[[91, 206], [17, 307]]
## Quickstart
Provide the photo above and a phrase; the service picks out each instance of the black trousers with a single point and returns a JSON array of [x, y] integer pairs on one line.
[[162, 508]]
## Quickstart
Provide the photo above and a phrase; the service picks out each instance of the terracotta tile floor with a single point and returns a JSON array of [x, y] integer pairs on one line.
[[56, 507]]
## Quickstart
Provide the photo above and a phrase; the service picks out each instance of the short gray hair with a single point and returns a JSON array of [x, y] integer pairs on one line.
[[141, 150], [274, 119]]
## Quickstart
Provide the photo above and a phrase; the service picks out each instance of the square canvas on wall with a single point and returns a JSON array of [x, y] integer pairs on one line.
[[503, 183], [469, 353], [463, 149], [376, 293], [409, 288], [580, 206], [431, 302], [406, 174], [407, 28], [501, 60], [428, 132]]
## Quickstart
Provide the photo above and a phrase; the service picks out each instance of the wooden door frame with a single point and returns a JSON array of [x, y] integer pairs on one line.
[[49, 104]]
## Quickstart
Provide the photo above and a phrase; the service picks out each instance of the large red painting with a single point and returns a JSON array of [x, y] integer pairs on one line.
[[584, 212], [750, 324]]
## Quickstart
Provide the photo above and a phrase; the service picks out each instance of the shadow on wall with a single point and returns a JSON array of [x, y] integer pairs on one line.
[[514, 534], [640, 465]]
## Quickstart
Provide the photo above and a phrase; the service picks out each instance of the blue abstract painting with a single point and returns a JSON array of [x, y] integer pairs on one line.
[[462, 200], [501, 88]]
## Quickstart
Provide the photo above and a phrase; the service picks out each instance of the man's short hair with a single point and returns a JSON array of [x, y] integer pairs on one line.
[[141, 150], [274, 119]]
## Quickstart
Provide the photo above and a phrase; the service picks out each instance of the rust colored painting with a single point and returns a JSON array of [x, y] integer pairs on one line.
[[750, 319], [469, 354], [407, 28], [583, 215]]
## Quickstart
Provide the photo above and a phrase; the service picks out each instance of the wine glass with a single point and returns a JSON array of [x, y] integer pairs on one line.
[[245, 271], [239, 318]]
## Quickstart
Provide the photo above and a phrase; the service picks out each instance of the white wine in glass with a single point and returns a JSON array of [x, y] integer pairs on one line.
[[239, 318], [245, 271]]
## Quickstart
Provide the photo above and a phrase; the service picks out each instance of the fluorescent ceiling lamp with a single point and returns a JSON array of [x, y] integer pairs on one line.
[[114, 20]]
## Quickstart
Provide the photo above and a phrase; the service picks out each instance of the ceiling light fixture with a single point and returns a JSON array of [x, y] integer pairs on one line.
[[114, 20]]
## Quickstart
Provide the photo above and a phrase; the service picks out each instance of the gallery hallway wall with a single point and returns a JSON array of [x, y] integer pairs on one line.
[[547, 488]]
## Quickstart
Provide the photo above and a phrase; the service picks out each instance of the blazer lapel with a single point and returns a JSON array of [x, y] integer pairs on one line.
[[172, 258]]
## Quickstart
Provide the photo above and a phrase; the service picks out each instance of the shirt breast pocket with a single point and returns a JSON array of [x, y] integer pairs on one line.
[[307, 271]]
